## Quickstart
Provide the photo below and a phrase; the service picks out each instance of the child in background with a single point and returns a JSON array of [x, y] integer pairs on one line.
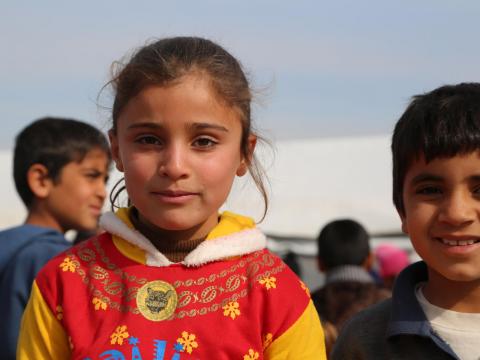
[[434, 312], [60, 169], [345, 258], [171, 276]]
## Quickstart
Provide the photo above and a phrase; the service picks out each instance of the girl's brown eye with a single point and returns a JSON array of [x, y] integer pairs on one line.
[[148, 140], [204, 142]]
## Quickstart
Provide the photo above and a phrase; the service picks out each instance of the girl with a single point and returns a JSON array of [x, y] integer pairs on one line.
[[171, 278]]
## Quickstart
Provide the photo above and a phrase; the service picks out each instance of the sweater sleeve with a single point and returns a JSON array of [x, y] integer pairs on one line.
[[41, 335], [303, 340]]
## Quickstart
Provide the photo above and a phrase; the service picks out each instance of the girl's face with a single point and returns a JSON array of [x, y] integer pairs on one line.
[[179, 147]]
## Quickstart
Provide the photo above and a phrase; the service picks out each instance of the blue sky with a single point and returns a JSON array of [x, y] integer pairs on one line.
[[322, 69]]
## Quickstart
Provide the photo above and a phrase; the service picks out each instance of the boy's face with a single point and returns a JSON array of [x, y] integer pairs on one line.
[[442, 214], [76, 199]]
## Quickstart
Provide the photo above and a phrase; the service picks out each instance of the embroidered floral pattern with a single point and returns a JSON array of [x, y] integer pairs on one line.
[[197, 296], [188, 342], [59, 311], [68, 265], [304, 287], [70, 342], [267, 340], [119, 334], [252, 355], [232, 309], [269, 282], [99, 304]]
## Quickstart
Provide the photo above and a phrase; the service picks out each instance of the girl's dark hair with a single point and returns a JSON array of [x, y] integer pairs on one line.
[[167, 60], [440, 124]]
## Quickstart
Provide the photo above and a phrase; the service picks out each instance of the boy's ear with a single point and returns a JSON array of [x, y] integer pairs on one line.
[[403, 218], [368, 262], [243, 167], [115, 150], [321, 265], [39, 181]]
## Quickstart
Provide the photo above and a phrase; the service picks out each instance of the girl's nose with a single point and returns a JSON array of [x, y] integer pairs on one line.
[[458, 209], [173, 163]]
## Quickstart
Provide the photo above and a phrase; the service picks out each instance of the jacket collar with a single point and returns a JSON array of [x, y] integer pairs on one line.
[[407, 316], [234, 235]]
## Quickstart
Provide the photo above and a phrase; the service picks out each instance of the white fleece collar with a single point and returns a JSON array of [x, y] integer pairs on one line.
[[235, 244]]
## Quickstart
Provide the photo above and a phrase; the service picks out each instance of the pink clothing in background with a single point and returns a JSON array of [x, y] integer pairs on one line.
[[391, 260]]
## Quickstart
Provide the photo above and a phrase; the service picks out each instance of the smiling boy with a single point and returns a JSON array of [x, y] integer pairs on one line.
[[60, 170], [434, 312]]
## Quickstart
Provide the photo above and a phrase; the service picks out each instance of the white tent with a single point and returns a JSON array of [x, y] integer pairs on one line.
[[318, 180]]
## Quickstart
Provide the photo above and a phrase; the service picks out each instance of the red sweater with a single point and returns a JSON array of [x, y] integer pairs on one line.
[[110, 306]]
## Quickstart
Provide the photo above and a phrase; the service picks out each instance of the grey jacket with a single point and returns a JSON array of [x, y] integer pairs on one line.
[[395, 328]]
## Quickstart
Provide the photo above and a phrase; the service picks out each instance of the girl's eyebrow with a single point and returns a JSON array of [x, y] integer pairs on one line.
[[195, 125], [202, 126], [151, 125]]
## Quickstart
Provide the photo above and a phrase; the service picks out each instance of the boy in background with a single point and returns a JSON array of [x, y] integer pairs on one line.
[[434, 312], [60, 168], [344, 256]]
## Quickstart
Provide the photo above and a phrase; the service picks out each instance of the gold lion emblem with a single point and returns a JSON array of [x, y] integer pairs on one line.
[[157, 300]]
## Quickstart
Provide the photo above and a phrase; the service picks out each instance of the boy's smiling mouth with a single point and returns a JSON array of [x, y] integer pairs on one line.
[[461, 241], [458, 242]]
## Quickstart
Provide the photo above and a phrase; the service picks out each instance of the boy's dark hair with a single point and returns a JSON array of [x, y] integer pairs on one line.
[[343, 242], [52, 142], [440, 124]]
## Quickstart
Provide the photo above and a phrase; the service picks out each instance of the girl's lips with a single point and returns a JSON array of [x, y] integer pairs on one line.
[[174, 193], [174, 197]]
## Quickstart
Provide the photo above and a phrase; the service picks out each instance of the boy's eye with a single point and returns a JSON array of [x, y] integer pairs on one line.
[[204, 142], [94, 175], [429, 190]]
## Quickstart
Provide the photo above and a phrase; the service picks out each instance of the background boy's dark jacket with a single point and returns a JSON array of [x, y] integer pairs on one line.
[[23, 252], [395, 328]]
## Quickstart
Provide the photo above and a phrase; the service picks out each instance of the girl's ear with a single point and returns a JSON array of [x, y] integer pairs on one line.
[[38, 181], [243, 167], [115, 151]]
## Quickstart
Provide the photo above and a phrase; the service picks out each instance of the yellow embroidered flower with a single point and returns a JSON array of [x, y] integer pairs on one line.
[[188, 342], [268, 282], [99, 304], [304, 287], [68, 265], [252, 355], [119, 334], [59, 310], [231, 309], [267, 340]]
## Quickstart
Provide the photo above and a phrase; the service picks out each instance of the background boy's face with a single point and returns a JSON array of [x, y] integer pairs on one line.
[[442, 214], [76, 200]]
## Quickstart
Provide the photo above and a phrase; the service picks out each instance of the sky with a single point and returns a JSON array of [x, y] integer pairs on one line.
[[319, 68]]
